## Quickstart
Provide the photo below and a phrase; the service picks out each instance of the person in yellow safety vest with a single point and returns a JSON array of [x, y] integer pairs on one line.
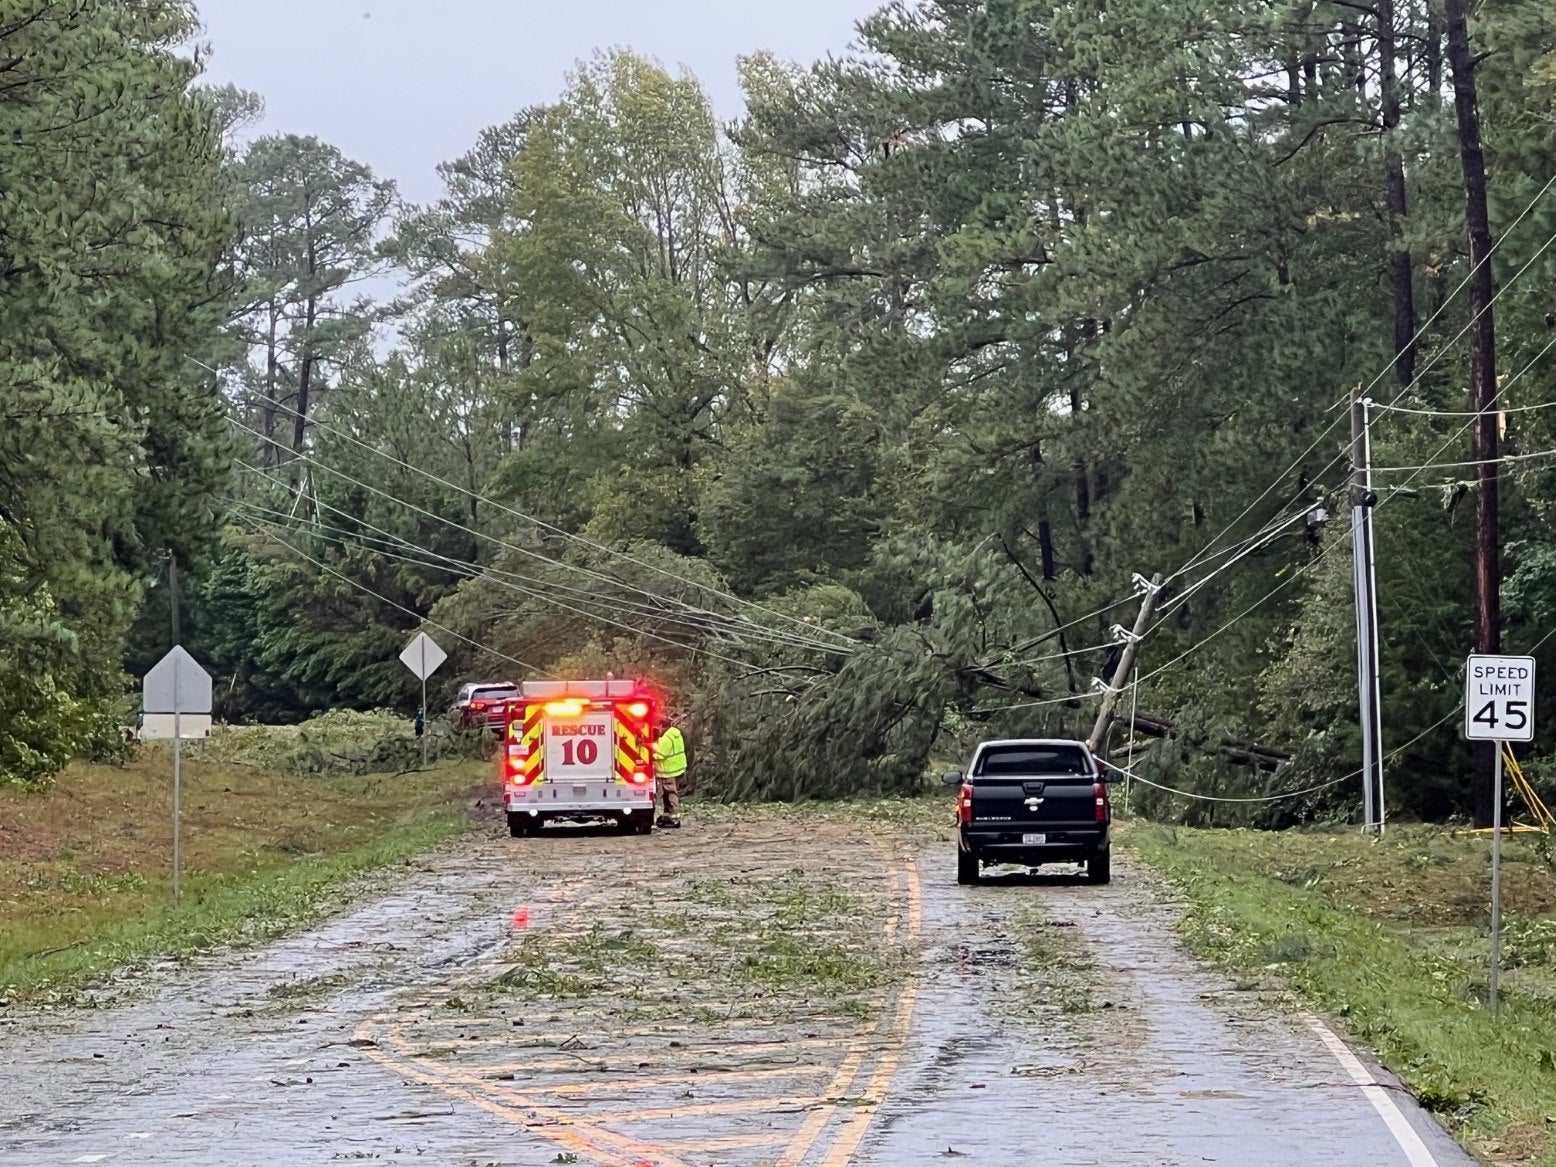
[[670, 766]]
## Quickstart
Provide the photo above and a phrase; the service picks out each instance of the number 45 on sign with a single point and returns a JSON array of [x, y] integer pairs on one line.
[[1499, 698]]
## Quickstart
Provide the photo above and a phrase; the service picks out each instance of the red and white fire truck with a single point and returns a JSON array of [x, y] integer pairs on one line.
[[577, 751]]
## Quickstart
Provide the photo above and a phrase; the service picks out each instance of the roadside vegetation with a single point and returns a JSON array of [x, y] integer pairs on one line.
[[1393, 938], [85, 866]]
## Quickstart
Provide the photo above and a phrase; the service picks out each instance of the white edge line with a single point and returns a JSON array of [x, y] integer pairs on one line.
[[1416, 1152]]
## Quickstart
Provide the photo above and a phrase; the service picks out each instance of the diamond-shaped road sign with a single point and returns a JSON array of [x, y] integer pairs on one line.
[[176, 684], [423, 656]]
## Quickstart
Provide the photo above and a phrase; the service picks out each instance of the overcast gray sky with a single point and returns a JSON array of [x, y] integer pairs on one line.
[[405, 84]]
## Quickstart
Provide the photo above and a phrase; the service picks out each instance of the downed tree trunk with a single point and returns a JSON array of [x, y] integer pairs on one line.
[[1246, 753]]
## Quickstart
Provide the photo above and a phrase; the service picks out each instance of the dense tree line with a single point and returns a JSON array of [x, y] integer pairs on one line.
[[851, 422]]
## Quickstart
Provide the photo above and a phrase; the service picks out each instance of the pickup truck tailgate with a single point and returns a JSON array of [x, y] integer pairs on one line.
[[1014, 803]]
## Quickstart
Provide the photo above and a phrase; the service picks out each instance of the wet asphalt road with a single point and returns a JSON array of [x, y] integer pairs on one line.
[[1171, 1066], [352, 1043]]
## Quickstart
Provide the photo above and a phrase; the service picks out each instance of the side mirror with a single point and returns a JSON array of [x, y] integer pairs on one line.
[[1109, 774], [952, 778]]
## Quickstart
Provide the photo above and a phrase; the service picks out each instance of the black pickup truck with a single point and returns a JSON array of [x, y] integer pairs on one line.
[[1033, 802]]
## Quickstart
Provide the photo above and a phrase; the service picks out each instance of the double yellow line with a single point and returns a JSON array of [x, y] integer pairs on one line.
[[848, 1139], [606, 1148]]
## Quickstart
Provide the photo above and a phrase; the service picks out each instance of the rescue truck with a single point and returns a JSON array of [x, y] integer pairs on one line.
[[579, 751]]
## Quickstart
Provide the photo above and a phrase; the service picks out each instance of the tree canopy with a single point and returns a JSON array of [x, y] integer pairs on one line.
[[852, 423]]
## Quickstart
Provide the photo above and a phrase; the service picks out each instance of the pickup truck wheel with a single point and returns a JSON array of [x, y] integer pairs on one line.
[[1099, 868], [966, 867]]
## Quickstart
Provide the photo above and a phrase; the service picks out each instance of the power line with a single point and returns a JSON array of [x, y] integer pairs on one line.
[[1419, 333], [773, 633], [1392, 755], [616, 604], [1307, 567], [541, 523], [1070, 700], [557, 603], [1505, 458], [1220, 798], [1470, 413], [1501, 389], [409, 611], [474, 571]]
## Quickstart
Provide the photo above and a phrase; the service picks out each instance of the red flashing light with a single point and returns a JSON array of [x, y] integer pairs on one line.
[[964, 813], [572, 707], [1100, 793], [638, 710], [640, 779]]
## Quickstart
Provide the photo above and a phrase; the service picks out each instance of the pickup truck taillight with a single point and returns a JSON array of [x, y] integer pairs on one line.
[[1100, 793], [964, 804]]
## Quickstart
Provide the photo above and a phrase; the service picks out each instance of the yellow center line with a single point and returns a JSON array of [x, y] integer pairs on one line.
[[561, 1127], [725, 1142], [811, 1129], [628, 1084], [857, 1127], [586, 1056], [567, 1139], [544, 1109], [703, 1109]]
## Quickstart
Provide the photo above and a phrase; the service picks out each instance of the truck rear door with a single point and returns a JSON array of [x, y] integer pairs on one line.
[[1033, 788], [579, 748]]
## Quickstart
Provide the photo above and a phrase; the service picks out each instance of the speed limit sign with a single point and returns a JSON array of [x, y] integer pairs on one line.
[[1499, 698]]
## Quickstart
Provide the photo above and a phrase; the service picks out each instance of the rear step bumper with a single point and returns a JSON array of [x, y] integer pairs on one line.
[[1062, 844], [580, 800]]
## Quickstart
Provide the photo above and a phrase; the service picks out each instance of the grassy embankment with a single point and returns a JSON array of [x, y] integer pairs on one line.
[[85, 867], [1392, 937]]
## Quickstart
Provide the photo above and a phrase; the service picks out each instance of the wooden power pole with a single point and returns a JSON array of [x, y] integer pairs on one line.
[[1483, 374], [1126, 662]]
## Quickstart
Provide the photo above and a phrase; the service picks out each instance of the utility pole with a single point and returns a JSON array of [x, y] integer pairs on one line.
[[1483, 374], [1126, 661], [1365, 574]]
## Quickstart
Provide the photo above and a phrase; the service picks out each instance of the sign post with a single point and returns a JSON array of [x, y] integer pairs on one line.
[[177, 685], [423, 657], [1499, 708]]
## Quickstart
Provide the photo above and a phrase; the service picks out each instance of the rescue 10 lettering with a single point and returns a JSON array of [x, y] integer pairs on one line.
[[578, 730]]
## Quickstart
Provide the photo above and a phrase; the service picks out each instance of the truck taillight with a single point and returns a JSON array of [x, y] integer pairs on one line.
[[639, 778], [1100, 793], [516, 774], [964, 805], [638, 710]]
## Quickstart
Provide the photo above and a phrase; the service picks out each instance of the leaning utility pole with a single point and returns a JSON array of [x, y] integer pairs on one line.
[[1126, 661], [1365, 574], [1483, 374]]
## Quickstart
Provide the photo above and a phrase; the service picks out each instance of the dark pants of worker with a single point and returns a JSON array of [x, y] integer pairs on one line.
[[671, 789]]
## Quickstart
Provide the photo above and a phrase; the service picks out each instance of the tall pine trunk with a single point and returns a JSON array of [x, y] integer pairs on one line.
[[1483, 374], [1401, 276]]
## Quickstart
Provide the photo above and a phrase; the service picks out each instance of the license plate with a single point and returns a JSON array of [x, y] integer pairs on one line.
[[1033, 840]]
